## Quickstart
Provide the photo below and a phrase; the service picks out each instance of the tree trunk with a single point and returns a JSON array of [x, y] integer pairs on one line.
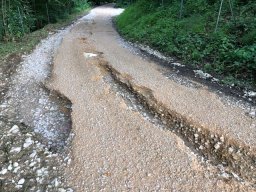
[[4, 21], [181, 8], [218, 19], [47, 11]]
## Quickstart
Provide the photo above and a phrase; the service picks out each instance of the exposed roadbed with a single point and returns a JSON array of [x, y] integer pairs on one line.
[[117, 148]]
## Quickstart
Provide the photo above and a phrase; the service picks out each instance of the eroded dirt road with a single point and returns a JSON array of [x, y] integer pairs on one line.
[[136, 130]]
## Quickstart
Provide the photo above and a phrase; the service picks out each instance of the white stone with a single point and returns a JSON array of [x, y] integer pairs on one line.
[[15, 150], [250, 93], [15, 164], [16, 169], [32, 155], [4, 171], [230, 150], [178, 64], [56, 182], [202, 75], [39, 180], [222, 138], [9, 167], [217, 146], [42, 172], [18, 186], [236, 176], [21, 181], [32, 164], [89, 55], [28, 142], [15, 129], [225, 175], [215, 80], [252, 113]]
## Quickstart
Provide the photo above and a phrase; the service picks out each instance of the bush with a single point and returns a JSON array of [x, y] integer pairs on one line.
[[228, 52]]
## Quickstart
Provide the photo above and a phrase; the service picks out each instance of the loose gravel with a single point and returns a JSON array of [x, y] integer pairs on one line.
[[35, 123], [26, 164]]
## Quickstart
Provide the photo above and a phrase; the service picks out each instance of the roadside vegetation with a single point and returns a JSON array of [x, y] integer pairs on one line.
[[219, 38], [23, 23]]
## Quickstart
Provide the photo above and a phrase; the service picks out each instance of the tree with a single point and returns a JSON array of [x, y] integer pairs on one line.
[[22, 16]]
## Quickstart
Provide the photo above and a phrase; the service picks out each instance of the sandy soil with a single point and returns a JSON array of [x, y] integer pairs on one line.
[[115, 148]]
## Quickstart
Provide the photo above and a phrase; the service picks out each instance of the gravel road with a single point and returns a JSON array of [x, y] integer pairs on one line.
[[116, 147]]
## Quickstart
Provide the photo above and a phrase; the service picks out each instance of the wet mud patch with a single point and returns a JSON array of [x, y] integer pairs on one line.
[[237, 161]]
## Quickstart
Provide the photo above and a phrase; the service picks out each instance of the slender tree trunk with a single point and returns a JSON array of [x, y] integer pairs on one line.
[[9, 12], [218, 19], [21, 21], [47, 11], [4, 21], [181, 8], [231, 10]]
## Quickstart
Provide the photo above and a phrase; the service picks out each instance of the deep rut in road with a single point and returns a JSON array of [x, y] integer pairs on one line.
[[239, 162]]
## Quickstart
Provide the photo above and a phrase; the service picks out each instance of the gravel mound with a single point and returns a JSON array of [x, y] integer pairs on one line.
[[26, 163]]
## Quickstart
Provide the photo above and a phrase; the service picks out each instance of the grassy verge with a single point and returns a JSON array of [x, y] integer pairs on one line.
[[228, 53], [29, 41]]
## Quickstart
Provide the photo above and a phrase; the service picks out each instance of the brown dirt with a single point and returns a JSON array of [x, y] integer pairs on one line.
[[115, 148]]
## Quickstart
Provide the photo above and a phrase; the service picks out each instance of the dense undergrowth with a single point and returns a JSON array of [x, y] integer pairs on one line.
[[26, 42], [190, 34], [20, 17]]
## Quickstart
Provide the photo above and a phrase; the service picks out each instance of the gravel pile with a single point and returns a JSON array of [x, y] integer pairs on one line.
[[26, 163]]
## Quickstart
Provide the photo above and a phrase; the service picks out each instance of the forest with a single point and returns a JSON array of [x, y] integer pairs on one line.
[[218, 36], [19, 17]]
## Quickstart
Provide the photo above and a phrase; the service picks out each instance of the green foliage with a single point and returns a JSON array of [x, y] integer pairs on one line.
[[230, 52], [19, 17], [30, 40], [99, 2]]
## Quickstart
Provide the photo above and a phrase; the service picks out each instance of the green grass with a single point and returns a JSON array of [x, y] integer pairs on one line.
[[229, 54], [28, 42]]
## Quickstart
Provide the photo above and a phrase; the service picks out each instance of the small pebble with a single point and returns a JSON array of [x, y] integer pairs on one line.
[[4, 171], [21, 181]]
